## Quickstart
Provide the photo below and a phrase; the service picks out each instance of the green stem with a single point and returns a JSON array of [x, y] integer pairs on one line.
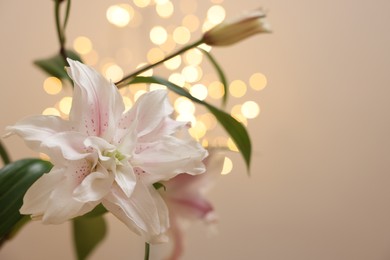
[[147, 251], [4, 154], [59, 28], [128, 78]]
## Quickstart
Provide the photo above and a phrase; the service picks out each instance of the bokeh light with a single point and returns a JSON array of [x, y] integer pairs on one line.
[[250, 109], [120, 14], [65, 105], [52, 85], [216, 14], [158, 35], [237, 88], [199, 91], [227, 166], [112, 72], [82, 45], [181, 35], [51, 111], [258, 81], [165, 10]]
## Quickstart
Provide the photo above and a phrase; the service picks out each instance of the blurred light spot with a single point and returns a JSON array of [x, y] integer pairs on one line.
[[250, 109], [207, 25], [173, 63], [188, 7], [208, 120], [120, 15], [128, 103], [186, 118], [158, 35], [147, 73], [216, 90], [165, 10], [231, 145], [155, 86], [65, 105], [112, 72], [205, 47], [178, 79], [227, 166], [51, 111], [155, 54], [52, 85], [198, 130], [183, 105], [216, 14], [82, 45], [258, 81], [91, 58], [236, 109], [205, 143], [191, 22], [141, 3], [237, 88], [199, 91], [138, 94], [192, 73], [44, 156], [193, 57], [181, 35]]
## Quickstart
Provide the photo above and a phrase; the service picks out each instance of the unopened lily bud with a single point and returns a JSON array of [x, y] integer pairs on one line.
[[230, 32]]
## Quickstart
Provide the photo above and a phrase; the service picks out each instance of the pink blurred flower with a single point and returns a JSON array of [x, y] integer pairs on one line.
[[186, 200]]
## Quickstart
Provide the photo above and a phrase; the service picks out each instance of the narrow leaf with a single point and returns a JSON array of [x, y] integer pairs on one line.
[[55, 65], [15, 179], [88, 232], [235, 129], [220, 73]]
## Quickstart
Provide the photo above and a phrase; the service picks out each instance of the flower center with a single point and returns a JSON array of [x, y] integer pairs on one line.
[[118, 156]]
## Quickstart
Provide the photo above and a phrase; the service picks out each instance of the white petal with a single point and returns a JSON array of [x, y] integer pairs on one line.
[[169, 157], [125, 178], [65, 145], [149, 111], [97, 105], [94, 187], [36, 129], [144, 212], [37, 196]]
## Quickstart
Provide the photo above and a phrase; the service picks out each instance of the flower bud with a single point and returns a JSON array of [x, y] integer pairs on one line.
[[230, 32]]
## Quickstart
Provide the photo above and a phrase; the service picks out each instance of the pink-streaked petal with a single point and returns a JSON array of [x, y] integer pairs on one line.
[[36, 129], [192, 207], [125, 178], [62, 206], [144, 212], [65, 145], [37, 196], [94, 187], [149, 111], [97, 105], [168, 157]]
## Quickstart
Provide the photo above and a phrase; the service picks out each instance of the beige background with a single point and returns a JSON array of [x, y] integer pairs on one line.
[[320, 175]]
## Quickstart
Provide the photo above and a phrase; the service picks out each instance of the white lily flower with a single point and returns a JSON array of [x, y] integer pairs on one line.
[[103, 155]]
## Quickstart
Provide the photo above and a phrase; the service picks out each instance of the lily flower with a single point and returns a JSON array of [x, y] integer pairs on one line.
[[240, 28], [105, 155], [185, 196]]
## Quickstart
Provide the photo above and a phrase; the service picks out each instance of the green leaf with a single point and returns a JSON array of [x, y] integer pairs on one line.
[[88, 232], [220, 72], [15, 179], [235, 129], [159, 185], [55, 65]]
